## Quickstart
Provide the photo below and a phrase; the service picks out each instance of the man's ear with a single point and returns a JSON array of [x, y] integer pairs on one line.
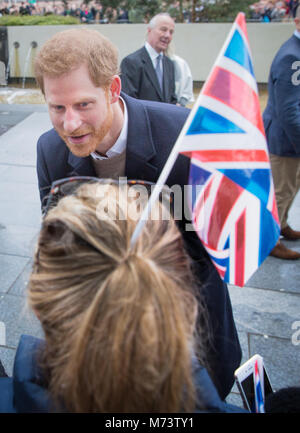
[[115, 89]]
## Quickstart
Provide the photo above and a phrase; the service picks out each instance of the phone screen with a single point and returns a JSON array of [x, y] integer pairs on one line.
[[248, 388]]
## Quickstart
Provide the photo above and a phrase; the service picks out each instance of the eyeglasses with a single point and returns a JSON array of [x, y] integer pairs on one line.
[[68, 186]]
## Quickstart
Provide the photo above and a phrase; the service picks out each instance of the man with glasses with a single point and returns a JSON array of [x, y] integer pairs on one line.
[[101, 132]]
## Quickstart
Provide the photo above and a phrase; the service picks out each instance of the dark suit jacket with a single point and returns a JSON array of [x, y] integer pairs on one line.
[[152, 131], [139, 78], [282, 114]]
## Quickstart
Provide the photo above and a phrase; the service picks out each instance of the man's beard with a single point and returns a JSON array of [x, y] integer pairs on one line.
[[93, 141]]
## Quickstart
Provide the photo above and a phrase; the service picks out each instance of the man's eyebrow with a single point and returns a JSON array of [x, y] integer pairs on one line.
[[87, 99], [79, 101], [53, 104]]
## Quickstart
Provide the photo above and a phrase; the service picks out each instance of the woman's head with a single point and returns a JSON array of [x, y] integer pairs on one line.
[[118, 322]]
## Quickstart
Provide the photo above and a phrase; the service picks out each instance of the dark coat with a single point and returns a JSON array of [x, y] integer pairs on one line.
[[26, 391], [152, 131], [282, 114], [139, 78]]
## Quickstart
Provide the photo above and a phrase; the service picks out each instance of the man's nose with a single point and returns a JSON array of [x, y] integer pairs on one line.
[[72, 120]]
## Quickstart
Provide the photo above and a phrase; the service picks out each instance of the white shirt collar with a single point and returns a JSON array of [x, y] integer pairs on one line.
[[151, 51], [121, 142], [297, 34]]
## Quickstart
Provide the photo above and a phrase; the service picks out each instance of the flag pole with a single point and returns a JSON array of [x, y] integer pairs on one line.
[[161, 180], [155, 193], [171, 159]]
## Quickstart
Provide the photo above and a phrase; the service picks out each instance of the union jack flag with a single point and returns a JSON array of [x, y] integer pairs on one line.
[[233, 203], [232, 198]]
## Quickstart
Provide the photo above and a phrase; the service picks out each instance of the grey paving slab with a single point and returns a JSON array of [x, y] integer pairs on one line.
[[244, 341], [264, 312], [19, 288], [277, 274], [18, 240], [11, 118], [20, 218], [10, 268], [17, 173], [3, 168], [28, 193], [4, 128], [18, 145], [18, 319], [281, 357], [29, 108], [27, 214], [235, 398]]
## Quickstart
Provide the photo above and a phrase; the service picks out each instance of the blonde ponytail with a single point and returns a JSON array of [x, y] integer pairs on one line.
[[119, 323]]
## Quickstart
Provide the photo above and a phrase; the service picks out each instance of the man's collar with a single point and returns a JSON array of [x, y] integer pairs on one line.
[[151, 51], [297, 34]]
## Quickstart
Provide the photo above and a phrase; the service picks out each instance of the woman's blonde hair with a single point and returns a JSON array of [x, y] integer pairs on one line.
[[69, 49], [118, 322]]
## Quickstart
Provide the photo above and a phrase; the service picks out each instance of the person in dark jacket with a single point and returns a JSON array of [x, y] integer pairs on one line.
[[119, 319], [282, 125], [148, 73], [100, 131]]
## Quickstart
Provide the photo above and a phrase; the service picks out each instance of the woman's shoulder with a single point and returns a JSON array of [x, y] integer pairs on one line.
[[208, 399], [26, 390]]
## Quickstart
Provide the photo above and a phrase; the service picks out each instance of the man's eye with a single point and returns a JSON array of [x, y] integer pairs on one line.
[[83, 104], [57, 108]]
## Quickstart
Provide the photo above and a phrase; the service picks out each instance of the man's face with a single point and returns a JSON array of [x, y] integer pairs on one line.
[[80, 112], [161, 35]]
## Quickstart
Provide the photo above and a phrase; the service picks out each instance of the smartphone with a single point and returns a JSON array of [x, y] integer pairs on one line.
[[253, 383]]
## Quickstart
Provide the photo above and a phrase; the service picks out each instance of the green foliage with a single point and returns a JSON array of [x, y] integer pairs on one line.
[[114, 4], [36, 20], [145, 8], [221, 10], [200, 10], [135, 16]]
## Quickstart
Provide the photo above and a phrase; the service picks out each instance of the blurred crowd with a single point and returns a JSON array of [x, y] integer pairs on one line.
[[93, 12], [273, 10]]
